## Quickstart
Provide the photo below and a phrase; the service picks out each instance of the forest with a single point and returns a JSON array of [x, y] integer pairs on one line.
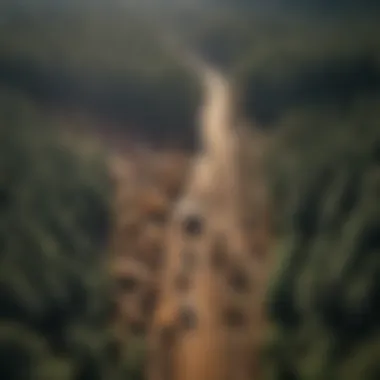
[[307, 74]]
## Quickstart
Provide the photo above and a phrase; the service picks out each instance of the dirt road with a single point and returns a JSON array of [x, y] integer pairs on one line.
[[205, 323]]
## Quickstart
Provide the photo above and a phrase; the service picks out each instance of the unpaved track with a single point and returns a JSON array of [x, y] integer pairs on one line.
[[211, 192]]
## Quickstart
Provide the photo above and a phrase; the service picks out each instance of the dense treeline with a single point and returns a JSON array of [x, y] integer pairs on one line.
[[310, 65], [280, 62], [317, 86], [55, 219], [100, 59], [323, 301]]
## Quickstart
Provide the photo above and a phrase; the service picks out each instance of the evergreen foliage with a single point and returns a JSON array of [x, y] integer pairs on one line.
[[55, 309]]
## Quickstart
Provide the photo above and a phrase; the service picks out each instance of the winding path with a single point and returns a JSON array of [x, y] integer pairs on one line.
[[205, 324]]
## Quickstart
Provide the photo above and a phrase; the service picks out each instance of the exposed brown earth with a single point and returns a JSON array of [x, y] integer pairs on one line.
[[190, 249]]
